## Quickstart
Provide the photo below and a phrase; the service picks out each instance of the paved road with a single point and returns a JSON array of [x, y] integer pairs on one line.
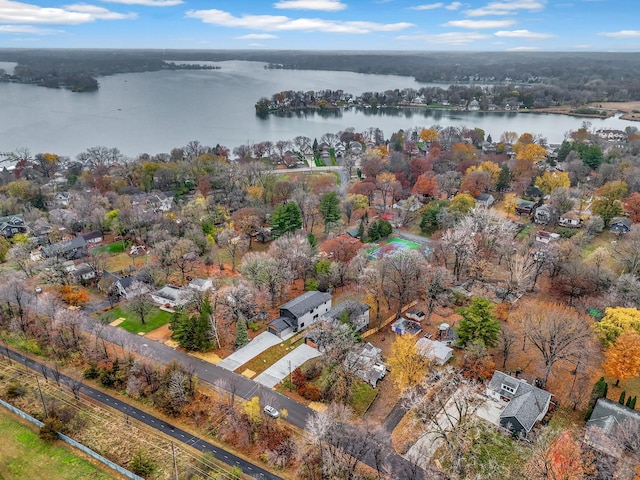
[[151, 421], [212, 374]]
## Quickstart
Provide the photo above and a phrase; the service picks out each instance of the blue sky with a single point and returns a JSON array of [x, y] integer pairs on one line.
[[423, 25]]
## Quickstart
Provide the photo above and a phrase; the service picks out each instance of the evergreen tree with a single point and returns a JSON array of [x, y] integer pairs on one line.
[[193, 333], [329, 208], [504, 179], [242, 336], [361, 230], [621, 399], [311, 238], [286, 218], [633, 403], [478, 324], [629, 398]]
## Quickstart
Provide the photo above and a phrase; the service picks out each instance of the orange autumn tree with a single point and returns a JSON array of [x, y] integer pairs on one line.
[[74, 295], [562, 459], [622, 359], [426, 185], [631, 205]]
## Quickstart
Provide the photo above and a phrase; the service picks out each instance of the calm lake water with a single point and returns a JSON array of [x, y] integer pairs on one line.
[[157, 111]]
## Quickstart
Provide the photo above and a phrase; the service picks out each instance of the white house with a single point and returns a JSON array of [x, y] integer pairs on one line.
[[300, 312], [171, 296], [201, 284], [435, 351]]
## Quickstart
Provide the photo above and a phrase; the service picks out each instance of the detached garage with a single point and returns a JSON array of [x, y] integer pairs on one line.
[[435, 351]]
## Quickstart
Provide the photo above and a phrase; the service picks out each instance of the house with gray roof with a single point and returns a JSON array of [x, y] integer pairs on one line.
[[602, 429], [171, 296], [11, 225], [367, 364], [299, 313], [357, 314], [70, 250], [620, 225], [524, 403]]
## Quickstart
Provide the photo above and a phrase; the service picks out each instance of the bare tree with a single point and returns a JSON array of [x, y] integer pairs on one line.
[[141, 306], [402, 275], [557, 332], [236, 244]]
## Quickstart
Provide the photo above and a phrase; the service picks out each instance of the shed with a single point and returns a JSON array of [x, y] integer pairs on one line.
[[403, 326]]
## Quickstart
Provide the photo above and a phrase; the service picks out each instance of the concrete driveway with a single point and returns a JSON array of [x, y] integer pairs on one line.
[[252, 349], [287, 364]]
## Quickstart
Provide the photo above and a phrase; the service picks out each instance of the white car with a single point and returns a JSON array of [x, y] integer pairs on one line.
[[272, 412], [38, 289]]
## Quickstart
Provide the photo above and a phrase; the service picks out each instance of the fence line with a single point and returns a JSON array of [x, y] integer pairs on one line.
[[387, 321], [73, 443]]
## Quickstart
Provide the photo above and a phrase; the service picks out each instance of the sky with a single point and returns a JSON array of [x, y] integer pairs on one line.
[[407, 25]]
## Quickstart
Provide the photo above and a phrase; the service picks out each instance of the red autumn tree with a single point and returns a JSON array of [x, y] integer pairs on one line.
[[426, 185], [341, 249], [631, 205]]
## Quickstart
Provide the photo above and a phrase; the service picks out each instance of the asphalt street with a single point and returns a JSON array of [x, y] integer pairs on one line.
[[214, 375], [151, 421]]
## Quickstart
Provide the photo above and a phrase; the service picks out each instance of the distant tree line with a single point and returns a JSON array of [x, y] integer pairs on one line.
[[598, 76]]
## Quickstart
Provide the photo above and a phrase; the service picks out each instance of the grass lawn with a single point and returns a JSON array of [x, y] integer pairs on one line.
[[493, 452], [24, 455], [156, 319], [112, 248], [631, 387], [270, 356], [362, 396], [525, 232]]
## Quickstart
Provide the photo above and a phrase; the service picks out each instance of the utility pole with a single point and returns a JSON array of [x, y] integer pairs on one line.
[[44, 407], [175, 463]]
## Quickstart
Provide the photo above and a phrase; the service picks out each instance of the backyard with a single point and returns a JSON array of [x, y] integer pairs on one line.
[[24, 455]]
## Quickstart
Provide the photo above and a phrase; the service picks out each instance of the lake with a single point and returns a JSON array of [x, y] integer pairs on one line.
[[154, 112]]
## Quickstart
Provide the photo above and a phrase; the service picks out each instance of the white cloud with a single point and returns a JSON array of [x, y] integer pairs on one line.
[[280, 23], [256, 45], [522, 49], [28, 29], [451, 38], [99, 13], [523, 34], [480, 23], [433, 6], [323, 5], [622, 34], [428, 6], [148, 3], [506, 8], [18, 12], [256, 36]]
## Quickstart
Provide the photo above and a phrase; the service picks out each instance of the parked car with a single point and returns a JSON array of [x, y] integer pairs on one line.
[[272, 412], [38, 289], [415, 314]]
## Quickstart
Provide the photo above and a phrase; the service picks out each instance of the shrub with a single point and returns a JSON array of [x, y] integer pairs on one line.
[[310, 392], [91, 372], [141, 464], [298, 378], [15, 390], [50, 428]]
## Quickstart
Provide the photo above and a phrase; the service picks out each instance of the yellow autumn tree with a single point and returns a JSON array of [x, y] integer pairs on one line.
[[493, 169], [615, 322], [622, 359], [531, 152], [550, 181], [407, 364], [253, 410], [429, 135], [463, 151], [510, 203], [462, 203]]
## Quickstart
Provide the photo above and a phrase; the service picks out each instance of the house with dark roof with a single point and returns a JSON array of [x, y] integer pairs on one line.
[[11, 225], [525, 207], [73, 249], [125, 287], [485, 200], [93, 238], [299, 313], [356, 313], [620, 225], [524, 403]]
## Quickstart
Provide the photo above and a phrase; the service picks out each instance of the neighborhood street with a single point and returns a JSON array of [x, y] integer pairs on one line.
[[212, 374]]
